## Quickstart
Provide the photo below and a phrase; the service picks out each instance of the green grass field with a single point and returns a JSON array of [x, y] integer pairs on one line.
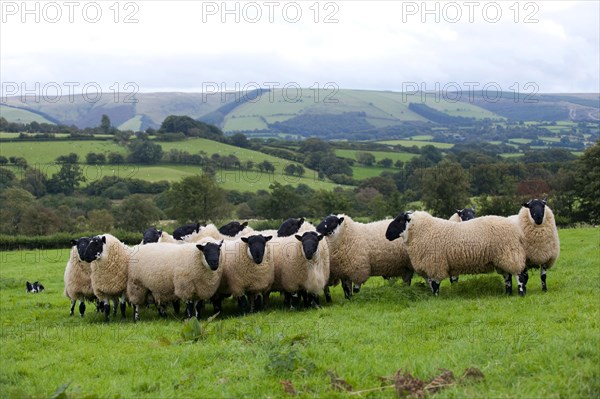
[[46, 152], [420, 144], [43, 154], [21, 115], [545, 345], [379, 155]]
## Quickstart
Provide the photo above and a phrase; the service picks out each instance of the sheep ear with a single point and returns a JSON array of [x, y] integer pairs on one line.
[[103, 239], [160, 232], [201, 247], [74, 242], [221, 243], [320, 237], [459, 211], [544, 200], [245, 239], [301, 221], [298, 237], [244, 225], [268, 238], [197, 227], [341, 220]]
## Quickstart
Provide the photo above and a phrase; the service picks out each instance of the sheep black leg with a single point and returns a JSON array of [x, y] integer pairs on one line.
[[314, 303], [407, 276], [346, 285], [508, 283], [252, 303], [243, 303], [287, 299], [136, 313], [522, 282], [356, 288], [107, 311], [435, 286], [295, 301], [327, 294], [453, 279], [81, 308], [161, 311], [306, 298], [190, 309], [176, 306], [123, 306], [543, 278], [99, 306], [199, 308], [266, 300], [217, 302], [72, 307], [115, 307], [258, 302]]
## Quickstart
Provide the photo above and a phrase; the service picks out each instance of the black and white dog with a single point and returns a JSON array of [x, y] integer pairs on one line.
[[33, 288]]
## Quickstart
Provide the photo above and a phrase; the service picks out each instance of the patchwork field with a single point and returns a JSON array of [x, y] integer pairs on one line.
[[539, 346]]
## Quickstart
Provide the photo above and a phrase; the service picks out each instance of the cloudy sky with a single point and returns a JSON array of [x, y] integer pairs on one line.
[[386, 45]]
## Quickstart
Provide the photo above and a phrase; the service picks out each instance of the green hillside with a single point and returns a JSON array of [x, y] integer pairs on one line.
[[21, 116], [42, 154]]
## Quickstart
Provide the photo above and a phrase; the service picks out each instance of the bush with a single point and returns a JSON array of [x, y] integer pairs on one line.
[[59, 240]]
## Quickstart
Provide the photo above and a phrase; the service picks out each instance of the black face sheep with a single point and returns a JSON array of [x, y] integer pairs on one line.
[[247, 269], [184, 232], [163, 273], [542, 246], [358, 251], [151, 235], [301, 265], [77, 278], [439, 248], [232, 229], [109, 260]]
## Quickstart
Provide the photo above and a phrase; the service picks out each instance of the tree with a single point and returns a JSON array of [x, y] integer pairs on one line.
[[266, 166], [115, 158], [136, 213], [101, 220], [365, 158], [13, 202], [588, 184], [144, 151], [105, 126], [38, 220], [35, 181], [386, 162], [445, 187], [68, 177], [239, 140], [92, 158], [197, 198], [281, 201], [7, 178]]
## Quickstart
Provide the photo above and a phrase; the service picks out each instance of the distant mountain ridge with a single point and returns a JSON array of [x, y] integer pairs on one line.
[[299, 111]]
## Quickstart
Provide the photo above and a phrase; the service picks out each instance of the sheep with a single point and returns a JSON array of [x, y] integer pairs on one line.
[[301, 264], [151, 235], [168, 272], [542, 246], [461, 215], [109, 260], [356, 252], [77, 277], [234, 229], [292, 226], [247, 269], [182, 232], [439, 248]]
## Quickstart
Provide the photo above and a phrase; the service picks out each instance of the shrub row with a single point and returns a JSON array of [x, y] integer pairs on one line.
[[59, 240]]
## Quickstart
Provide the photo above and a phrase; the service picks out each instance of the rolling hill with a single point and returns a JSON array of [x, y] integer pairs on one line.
[[333, 113]]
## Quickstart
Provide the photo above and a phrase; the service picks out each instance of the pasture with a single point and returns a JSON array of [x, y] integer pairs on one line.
[[420, 144], [541, 345]]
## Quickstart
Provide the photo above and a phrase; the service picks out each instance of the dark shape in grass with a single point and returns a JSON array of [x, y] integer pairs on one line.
[[338, 383], [288, 387]]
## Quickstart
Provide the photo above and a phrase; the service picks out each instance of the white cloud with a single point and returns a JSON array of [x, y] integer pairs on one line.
[[373, 45]]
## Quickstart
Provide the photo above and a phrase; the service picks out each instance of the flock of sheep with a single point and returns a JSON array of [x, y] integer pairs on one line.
[[200, 263]]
